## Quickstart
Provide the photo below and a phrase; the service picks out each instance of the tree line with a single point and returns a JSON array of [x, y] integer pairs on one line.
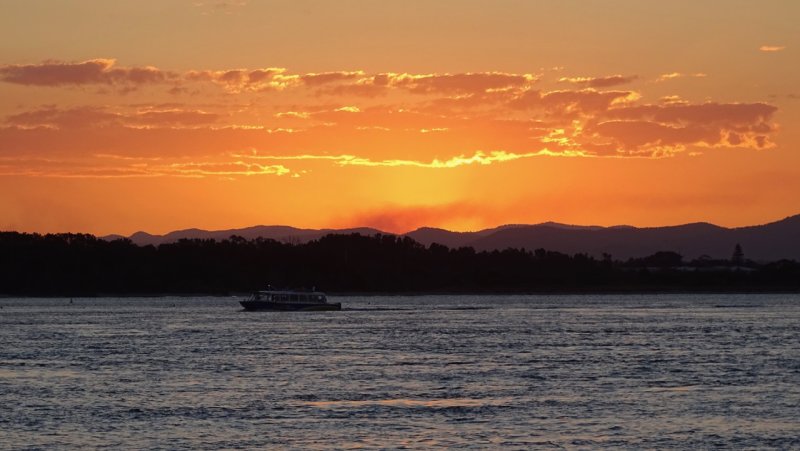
[[84, 265]]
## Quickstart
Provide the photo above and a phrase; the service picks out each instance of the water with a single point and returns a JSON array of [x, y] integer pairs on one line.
[[519, 372]]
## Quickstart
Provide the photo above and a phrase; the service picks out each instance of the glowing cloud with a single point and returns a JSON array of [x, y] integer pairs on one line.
[[329, 77], [771, 48], [293, 114], [676, 75], [423, 116], [599, 82], [478, 158], [457, 83], [238, 80], [348, 109]]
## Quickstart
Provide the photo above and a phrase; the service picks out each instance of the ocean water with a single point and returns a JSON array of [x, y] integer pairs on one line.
[[517, 372]]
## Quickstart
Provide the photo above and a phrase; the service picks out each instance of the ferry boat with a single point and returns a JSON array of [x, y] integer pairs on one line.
[[289, 300]]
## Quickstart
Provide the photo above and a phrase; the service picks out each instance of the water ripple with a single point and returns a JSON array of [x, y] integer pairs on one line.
[[517, 372]]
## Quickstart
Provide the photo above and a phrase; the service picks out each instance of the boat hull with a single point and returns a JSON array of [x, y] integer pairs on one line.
[[289, 306]]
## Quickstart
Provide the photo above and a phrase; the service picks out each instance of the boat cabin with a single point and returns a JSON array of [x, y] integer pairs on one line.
[[289, 297]]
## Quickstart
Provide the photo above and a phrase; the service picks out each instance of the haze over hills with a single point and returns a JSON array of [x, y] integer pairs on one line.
[[773, 241]]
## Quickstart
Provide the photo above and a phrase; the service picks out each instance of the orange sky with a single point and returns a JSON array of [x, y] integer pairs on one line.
[[150, 115]]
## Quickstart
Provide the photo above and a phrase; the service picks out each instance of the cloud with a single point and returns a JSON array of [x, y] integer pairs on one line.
[[293, 114], [172, 118], [239, 80], [731, 114], [478, 158], [433, 84], [565, 102], [256, 156], [117, 166], [451, 104], [673, 100], [51, 116], [358, 83], [771, 48], [105, 72], [653, 138], [676, 75], [473, 82], [348, 109], [364, 87], [65, 168], [586, 100], [600, 82], [558, 123], [448, 90], [234, 168], [380, 116], [96, 71], [329, 77], [423, 115], [658, 130], [94, 117]]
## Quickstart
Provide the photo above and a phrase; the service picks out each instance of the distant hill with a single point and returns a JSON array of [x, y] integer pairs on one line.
[[428, 235], [279, 233], [773, 241]]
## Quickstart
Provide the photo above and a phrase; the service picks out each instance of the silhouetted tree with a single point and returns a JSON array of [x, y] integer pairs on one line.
[[78, 264], [663, 259]]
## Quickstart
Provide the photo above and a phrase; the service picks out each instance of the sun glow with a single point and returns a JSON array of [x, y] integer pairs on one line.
[[368, 127]]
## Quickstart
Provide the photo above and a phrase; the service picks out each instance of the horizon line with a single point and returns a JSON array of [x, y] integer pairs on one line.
[[337, 229]]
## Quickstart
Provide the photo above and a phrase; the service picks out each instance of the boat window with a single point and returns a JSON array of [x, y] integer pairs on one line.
[[303, 298], [293, 297]]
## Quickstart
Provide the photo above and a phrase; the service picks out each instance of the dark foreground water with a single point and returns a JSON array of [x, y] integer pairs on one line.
[[520, 372]]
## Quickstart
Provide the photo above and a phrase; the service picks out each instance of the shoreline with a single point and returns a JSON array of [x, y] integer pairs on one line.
[[416, 294]]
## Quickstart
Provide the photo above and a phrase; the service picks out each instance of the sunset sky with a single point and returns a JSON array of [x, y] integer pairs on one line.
[[119, 116]]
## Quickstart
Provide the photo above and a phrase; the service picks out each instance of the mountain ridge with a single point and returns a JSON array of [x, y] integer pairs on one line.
[[770, 241]]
